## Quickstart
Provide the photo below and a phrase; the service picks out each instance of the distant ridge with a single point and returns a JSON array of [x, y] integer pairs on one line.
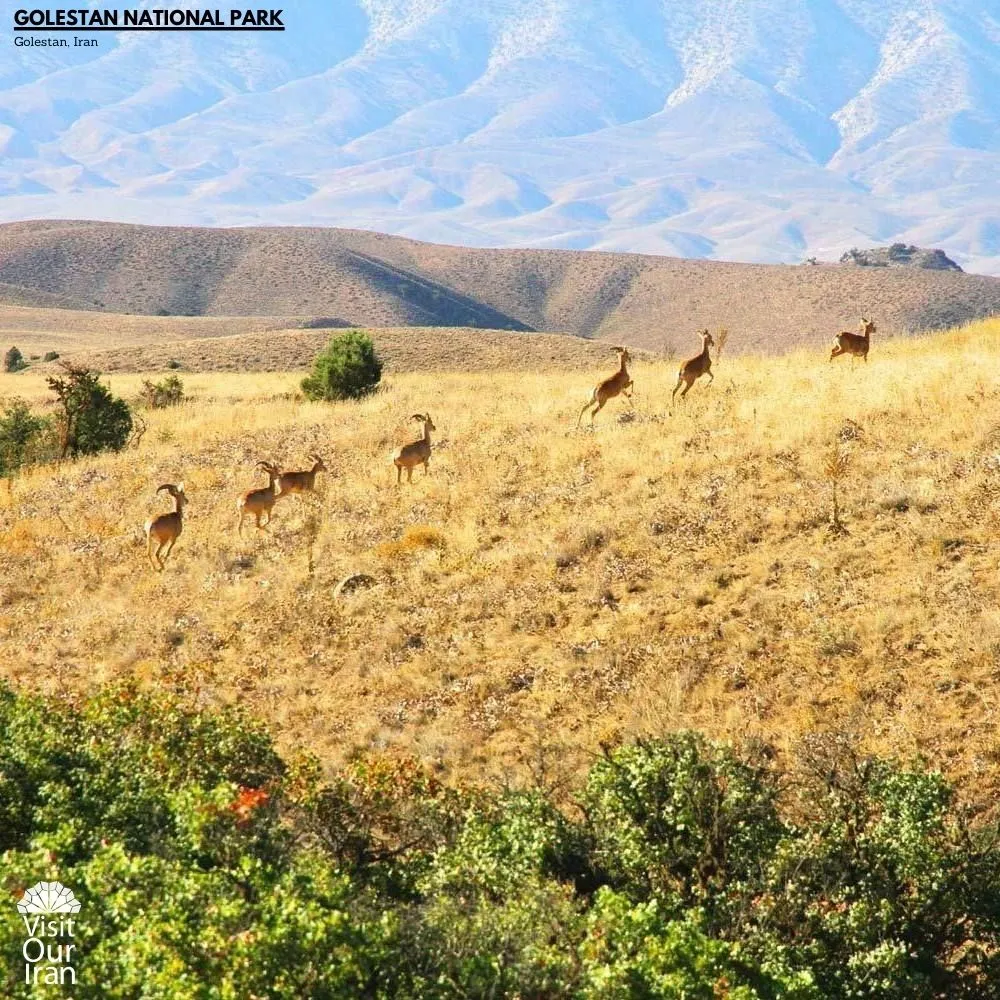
[[757, 130], [353, 277]]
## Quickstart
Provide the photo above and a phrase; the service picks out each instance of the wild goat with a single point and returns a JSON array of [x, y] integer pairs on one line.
[[610, 387], [300, 482], [695, 367], [855, 344], [261, 501], [416, 452], [165, 529]]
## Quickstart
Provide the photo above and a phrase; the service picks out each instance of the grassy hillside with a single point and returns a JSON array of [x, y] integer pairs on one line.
[[369, 279], [403, 349], [545, 589], [121, 343]]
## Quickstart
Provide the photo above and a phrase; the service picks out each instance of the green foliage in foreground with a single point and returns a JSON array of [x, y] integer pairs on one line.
[[208, 867], [348, 368]]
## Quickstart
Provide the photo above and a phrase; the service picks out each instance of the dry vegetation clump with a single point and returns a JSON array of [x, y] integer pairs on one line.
[[543, 587]]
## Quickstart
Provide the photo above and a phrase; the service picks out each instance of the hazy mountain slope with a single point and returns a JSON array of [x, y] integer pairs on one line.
[[349, 277], [760, 130]]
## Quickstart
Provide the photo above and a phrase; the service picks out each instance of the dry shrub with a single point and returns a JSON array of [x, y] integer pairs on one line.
[[416, 538]]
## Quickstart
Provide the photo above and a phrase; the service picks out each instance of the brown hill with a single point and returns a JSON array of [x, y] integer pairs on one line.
[[36, 330], [350, 277], [402, 349]]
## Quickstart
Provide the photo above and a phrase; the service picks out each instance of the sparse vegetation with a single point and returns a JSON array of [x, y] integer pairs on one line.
[[837, 465], [158, 395], [50, 356], [349, 368]]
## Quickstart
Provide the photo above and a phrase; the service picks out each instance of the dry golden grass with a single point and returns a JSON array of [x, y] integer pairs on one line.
[[544, 589]]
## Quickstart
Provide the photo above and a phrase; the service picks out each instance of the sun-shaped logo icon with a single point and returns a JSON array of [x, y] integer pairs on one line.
[[48, 897]]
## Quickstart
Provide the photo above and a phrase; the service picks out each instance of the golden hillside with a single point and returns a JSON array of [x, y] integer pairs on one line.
[[406, 349], [350, 277], [121, 343], [545, 588]]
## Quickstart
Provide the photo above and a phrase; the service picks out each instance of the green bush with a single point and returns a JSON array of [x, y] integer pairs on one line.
[[24, 438], [159, 395], [206, 865], [682, 820], [13, 361], [348, 368], [91, 419], [50, 356]]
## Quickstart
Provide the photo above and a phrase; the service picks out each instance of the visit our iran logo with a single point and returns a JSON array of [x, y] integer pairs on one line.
[[48, 950]]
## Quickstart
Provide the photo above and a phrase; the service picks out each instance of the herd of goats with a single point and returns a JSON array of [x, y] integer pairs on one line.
[[163, 531]]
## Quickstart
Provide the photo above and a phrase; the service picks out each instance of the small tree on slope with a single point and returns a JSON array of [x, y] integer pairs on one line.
[[348, 368]]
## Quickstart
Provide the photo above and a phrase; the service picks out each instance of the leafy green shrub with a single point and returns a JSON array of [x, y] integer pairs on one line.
[[91, 418], [682, 820], [13, 361], [50, 356], [24, 438], [208, 865], [885, 885], [159, 395], [636, 950], [348, 368]]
